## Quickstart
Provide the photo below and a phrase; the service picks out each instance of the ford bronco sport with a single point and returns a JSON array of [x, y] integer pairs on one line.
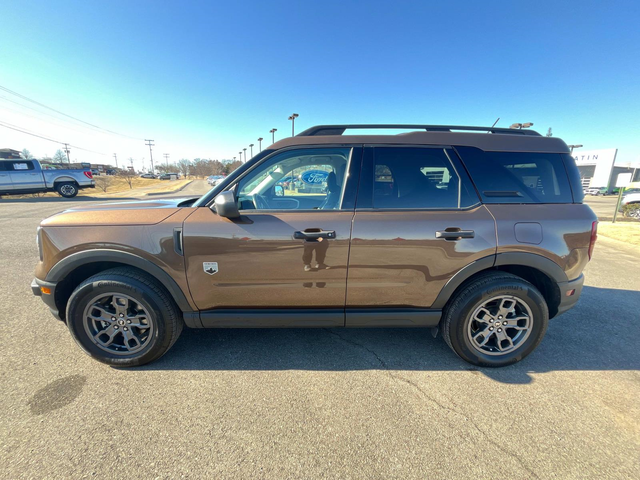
[[479, 233]]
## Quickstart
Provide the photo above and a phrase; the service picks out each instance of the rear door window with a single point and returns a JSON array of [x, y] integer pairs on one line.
[[419, 178], [517, 177], [21, 166]]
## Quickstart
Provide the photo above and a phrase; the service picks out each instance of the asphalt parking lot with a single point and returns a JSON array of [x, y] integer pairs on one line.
[[604, 206], [387, 403]]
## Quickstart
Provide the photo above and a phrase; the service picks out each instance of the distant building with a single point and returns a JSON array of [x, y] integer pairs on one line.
[[8, 153], [598, 168]]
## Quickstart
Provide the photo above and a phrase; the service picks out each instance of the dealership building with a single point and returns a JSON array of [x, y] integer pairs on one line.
[[598, 168]]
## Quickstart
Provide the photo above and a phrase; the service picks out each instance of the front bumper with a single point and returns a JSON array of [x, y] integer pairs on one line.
[[568, 302], [48, 298]]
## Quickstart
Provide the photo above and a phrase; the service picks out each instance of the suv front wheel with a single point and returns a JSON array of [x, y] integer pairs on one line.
[[495, 320], [123, 318]]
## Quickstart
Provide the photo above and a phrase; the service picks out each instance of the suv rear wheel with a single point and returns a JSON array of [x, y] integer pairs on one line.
[[495, 320], [123, 318]]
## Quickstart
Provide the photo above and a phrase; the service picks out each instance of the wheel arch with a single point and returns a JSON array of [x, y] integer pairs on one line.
[[74, 269], [544, 274], [64, 179]]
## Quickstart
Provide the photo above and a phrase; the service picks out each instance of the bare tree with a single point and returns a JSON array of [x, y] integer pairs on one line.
[[59, 157], [231, 166], [103, 182], [184, 167], [128, 176], [26, 154]]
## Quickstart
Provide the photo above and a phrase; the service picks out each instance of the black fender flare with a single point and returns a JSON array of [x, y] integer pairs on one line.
[[543, 264], [65, 266]]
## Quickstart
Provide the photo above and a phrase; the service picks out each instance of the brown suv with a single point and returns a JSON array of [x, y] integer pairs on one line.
[[478, 232]]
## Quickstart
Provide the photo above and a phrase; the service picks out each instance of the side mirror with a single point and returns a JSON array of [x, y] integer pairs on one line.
[[226, 205], [279, 190]]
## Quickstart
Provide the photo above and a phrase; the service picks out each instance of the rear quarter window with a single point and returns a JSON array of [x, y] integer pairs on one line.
[[517, 177]]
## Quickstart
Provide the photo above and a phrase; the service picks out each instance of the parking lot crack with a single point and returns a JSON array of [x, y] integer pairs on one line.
[[399, 378]]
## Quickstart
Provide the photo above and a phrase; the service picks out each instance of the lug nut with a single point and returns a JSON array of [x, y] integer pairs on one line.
[[491, 329], [500, 317], [129, 321], [122, 315], [116, 327], [504, 323], [499, 330], [126, 329]]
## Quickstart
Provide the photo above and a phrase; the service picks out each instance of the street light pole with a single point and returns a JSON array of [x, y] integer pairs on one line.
[[251, 146], [240, 153], [573, 146], [245, 155], [260, 143], [116, 157], [293, 117], [273, 134]]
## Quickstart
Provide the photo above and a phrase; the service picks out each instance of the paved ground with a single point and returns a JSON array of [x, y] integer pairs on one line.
[[334, 403], [603, 206]]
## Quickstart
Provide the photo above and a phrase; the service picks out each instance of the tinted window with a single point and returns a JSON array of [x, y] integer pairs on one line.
[[515, 177], [574, 177], [417, 178]]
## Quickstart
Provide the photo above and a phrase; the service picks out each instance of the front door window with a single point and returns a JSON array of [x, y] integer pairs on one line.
[[304, 179]]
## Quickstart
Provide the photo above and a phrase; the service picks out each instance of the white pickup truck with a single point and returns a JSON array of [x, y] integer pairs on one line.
[[27, 176]]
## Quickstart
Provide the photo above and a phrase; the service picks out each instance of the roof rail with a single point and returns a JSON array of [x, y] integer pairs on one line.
[[323, 130]]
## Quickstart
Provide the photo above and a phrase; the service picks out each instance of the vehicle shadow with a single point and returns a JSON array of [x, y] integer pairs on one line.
[[600, 333]]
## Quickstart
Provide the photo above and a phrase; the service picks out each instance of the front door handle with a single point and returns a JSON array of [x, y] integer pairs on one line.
[[455, 234], [314, 234]]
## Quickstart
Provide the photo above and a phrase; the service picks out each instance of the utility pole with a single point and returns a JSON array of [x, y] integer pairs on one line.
[[260, 142], [116, 157], [150, 144], [166, 159], [273, 134], [293, 117], [251, 146], [66, 149]]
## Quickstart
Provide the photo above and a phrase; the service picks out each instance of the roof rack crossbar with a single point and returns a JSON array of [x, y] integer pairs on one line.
[[323, 130]]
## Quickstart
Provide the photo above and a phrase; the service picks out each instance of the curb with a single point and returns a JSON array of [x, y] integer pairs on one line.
[[170, 191]]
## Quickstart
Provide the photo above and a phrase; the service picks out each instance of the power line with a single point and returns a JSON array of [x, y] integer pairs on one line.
[[18, 129], [5, 89]]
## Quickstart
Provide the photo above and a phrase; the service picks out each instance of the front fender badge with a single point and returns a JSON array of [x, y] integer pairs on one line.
[[210, 268]]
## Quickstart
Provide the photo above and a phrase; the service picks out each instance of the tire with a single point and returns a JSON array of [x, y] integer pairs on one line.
[[67, 189], [147, 305], [460, 320]]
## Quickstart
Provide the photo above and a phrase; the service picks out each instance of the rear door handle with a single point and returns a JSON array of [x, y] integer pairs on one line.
[[314, 234], [455, 234]]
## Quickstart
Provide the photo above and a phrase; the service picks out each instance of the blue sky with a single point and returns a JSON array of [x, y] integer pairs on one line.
[[205, 79]]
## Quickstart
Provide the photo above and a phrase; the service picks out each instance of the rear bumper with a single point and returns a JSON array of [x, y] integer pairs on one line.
[[568, 301], [50, 298]]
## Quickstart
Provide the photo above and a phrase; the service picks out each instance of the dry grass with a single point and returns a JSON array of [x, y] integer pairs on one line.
[[625, 231]]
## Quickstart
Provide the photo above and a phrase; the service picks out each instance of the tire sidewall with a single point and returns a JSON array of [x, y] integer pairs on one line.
[[151, 302], [62, 185], [521, 290]]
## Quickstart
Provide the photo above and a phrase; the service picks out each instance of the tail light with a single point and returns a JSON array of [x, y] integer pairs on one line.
[[88, 174], [594, 237]]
